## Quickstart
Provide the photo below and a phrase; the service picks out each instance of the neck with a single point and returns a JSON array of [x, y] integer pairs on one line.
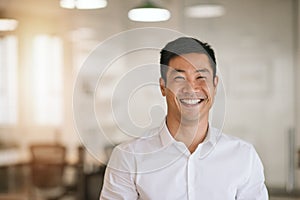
[[191, 133]]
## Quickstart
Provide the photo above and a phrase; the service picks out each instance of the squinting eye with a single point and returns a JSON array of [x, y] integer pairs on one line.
[[179, 78], [201, 77]]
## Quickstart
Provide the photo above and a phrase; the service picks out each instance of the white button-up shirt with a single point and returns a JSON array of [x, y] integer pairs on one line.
[[159, 167]]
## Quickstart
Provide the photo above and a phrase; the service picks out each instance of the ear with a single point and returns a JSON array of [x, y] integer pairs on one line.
[[216, 81], [162, 85]]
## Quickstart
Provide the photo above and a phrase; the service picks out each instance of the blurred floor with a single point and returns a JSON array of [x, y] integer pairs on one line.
[[284, 198]]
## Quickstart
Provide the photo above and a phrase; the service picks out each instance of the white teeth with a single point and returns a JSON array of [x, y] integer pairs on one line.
[[190, 101]]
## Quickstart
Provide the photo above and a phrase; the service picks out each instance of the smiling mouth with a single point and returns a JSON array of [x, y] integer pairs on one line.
[[191, 102]]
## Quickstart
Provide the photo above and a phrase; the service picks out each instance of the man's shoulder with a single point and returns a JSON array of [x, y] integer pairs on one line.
[[235, 142], [148, 140], [126, 154], [234, 139]]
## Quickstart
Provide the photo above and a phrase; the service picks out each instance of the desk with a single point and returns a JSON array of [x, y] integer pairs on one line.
[[11, 169], [11, 156], [83, 179]]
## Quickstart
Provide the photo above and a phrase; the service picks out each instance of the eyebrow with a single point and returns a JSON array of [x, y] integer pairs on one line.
[[197, 71], [203, 70]]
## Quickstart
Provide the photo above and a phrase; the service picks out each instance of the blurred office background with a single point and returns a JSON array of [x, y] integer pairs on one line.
[[258, 52]]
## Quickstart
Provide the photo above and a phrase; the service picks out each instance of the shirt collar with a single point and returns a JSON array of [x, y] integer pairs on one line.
[[209, 143], [165, 136], [205, 147], [212, 135]]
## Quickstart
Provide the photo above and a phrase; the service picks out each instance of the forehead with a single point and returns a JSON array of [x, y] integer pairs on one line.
[[190, 61]]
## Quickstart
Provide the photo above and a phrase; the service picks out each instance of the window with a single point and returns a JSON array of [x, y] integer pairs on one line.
[[8, 80], [48, 80]]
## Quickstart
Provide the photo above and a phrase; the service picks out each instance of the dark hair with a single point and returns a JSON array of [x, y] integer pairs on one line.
[[185, 45]]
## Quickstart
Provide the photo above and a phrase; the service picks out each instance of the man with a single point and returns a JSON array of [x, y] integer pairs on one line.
[[185, 158]]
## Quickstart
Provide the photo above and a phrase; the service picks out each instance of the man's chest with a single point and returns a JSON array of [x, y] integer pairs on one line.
[[192, 179]]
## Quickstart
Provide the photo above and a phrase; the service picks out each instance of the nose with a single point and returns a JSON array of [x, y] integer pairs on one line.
[[190, 86]]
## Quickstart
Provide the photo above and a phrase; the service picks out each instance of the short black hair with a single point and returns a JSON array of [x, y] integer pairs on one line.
[[185, 45]]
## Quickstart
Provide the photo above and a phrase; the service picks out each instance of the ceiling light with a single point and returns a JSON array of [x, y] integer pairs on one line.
[[205, 11], [148, 12], [8, 24], [83, 4], [91, 4], [69, 4]]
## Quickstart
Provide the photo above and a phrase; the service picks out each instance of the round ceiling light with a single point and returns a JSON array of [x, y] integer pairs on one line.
[[149, 12], [83, 4], [205, 11]]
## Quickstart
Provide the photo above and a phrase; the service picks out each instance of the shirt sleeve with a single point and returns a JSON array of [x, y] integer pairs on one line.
[[119, 182], [254, 188]]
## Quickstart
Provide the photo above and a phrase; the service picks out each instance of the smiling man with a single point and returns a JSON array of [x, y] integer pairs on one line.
[[189, 85], [186, 158]]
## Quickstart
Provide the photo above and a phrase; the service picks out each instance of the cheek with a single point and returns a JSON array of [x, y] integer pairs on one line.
[[173, 89], [171, 98], [207, 86], [170, 94], [212, 91]]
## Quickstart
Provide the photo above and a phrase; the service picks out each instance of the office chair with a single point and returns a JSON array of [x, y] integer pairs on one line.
[[47, 170]]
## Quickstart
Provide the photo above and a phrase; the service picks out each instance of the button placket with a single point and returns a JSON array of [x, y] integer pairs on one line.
[[191, 172]]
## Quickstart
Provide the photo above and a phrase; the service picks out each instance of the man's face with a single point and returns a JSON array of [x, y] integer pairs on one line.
[[190, 87]]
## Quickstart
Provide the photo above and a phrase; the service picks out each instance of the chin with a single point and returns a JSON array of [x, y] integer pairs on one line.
[[196, 118], [190, 119]]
